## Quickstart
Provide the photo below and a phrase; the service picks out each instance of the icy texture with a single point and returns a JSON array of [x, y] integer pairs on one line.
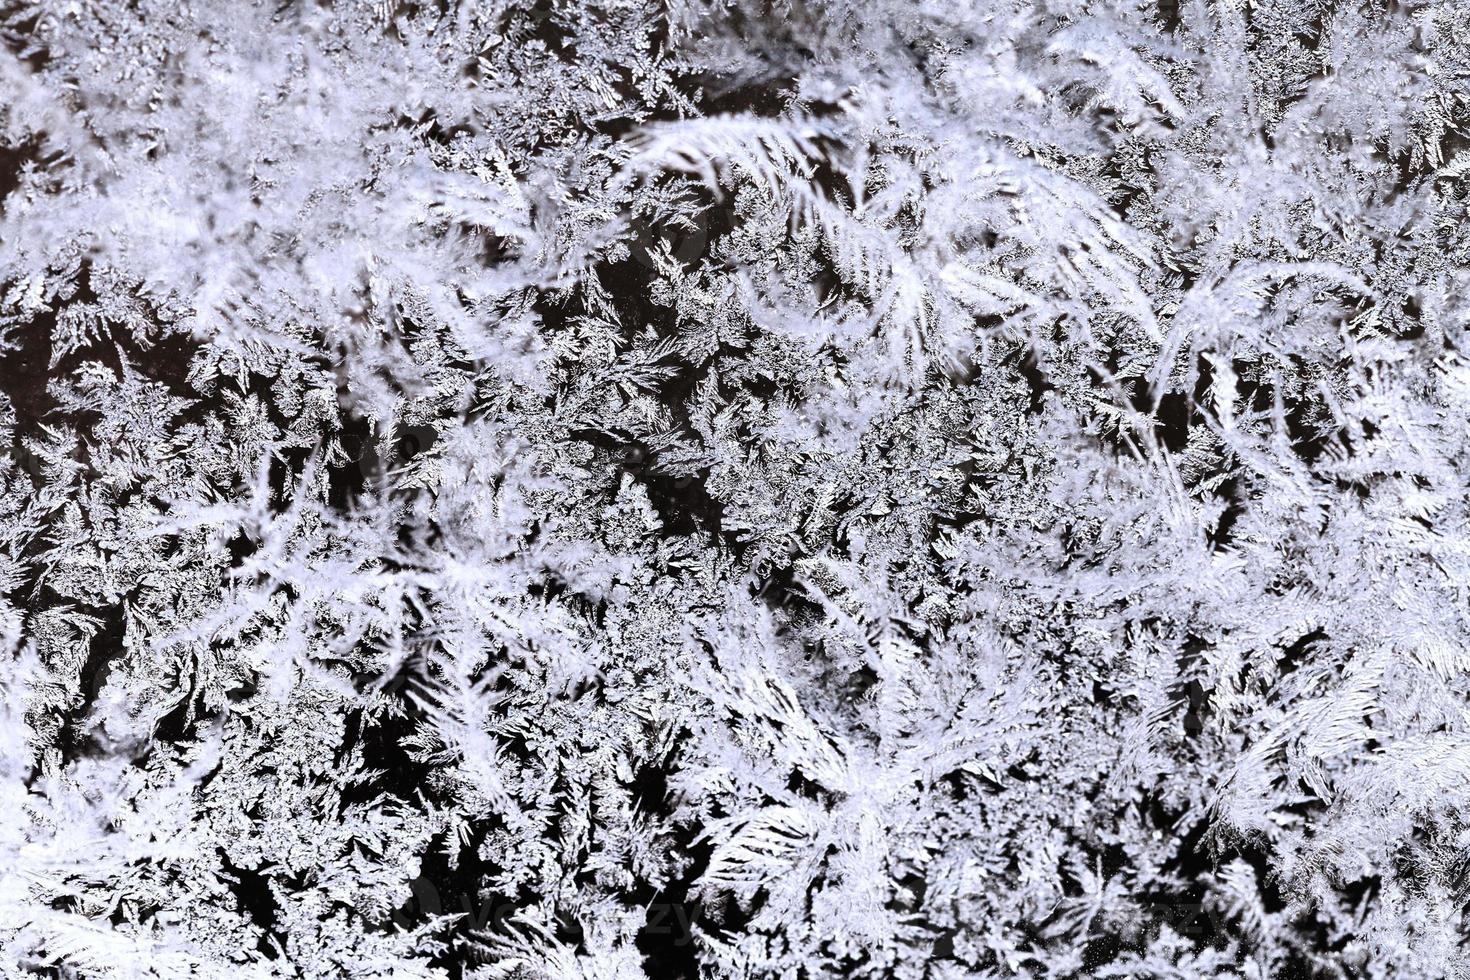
[[619, 489]]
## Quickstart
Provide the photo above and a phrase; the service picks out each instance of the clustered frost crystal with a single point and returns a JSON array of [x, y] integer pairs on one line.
[[724, 489]]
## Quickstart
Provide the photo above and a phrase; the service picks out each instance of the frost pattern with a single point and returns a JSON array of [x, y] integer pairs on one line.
[[617, 489]]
